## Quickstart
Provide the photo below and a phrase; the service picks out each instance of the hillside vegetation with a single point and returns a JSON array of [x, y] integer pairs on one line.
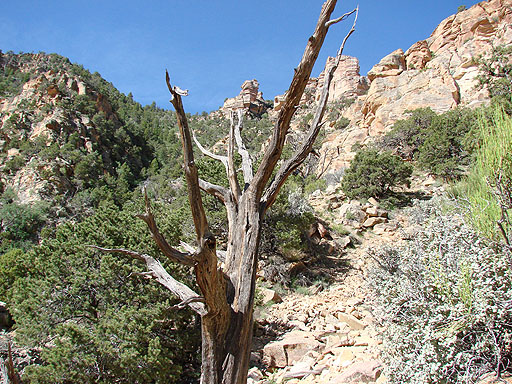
[[76, 155]]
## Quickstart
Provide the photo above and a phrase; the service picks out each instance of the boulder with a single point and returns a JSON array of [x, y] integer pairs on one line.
[[382, 228], [290, 349], [349, 212], [371, 221], [352, 321], [269, 295], [373, 202], [372, 211], [344, 242], [255, 374], [361, 372]]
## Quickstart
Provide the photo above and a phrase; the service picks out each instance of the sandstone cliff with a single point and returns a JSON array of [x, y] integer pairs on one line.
[[438, 72]]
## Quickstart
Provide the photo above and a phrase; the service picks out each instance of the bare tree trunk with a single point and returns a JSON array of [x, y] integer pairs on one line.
[[227, 293]]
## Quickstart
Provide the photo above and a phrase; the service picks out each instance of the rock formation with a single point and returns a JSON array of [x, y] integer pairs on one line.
[[250, 99], [438, 72]]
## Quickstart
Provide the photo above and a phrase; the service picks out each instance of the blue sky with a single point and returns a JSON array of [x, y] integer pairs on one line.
[[209, 47]]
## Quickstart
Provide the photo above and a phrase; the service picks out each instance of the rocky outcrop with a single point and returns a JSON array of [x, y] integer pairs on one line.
[[418, 55], [391, 65], [439, 73], [347, 83], [250, 99]]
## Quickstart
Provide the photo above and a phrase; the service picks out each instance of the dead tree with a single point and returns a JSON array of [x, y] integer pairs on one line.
[[226, 300]]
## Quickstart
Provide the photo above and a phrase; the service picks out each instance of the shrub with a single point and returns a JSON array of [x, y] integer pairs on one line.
[[439, 143], [444, 303], [287, 222], [373, 174], [93, 316], [443, 150], [407, 135], [19, 223], [489, 184]]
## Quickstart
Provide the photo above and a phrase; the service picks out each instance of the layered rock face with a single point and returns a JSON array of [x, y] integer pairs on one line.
[[439, 72], [346, 83], [250, 99]]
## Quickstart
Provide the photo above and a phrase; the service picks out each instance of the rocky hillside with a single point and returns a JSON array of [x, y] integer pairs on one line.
[[70, 138], [63, 129]]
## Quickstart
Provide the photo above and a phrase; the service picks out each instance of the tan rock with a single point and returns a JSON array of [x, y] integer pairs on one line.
[[380, 229], [352, 321], [371, 221], [418, 55], [249, 99], [354, 301], [389, 97], [372, 211], [345, 358], [346, 81], [365, 372], [345, 241], [255, 374], [350, 211], [269, 295], [290, 349], [338, 340], [12, 152], [364, 340], [390, 65], [373, 202]]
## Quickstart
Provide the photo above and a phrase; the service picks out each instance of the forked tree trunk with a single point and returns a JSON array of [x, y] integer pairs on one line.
[[225, 357], [227, 292]]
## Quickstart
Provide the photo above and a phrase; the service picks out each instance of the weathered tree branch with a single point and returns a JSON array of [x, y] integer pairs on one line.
[[187, 247], [219, 192], [158, 273], [292, 99], [194, 192], [352, 30], [183, 304], [208, 276], [334, 21], [246, 158], [301, 154], [232, 175], [172, 253], [206, 152]]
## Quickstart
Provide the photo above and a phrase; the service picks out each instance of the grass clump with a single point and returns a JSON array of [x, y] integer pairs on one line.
[[489, 184]]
